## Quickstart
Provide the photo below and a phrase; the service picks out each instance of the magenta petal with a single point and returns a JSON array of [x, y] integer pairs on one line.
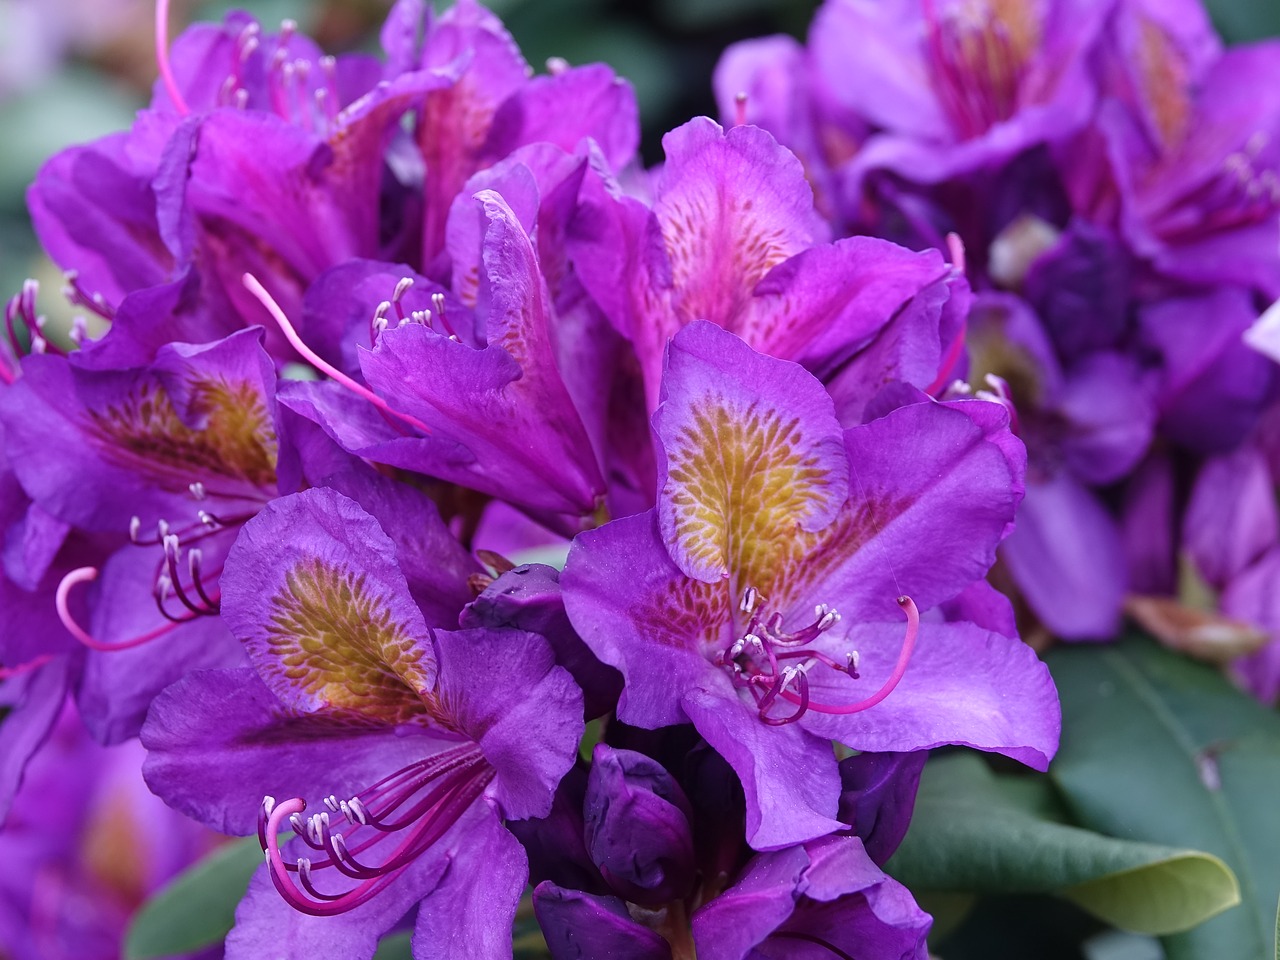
[[790, 777]]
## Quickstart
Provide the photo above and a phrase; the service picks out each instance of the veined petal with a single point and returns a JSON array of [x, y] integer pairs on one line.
[[752, 458], [313, 590]]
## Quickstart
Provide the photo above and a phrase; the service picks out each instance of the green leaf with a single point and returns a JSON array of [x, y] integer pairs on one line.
[[197, 908], [1166, 750], [976, 832], [396, 946]]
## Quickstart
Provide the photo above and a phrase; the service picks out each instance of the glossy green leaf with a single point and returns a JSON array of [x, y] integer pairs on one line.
[[974, 831], [197, 908], [1161, 749]]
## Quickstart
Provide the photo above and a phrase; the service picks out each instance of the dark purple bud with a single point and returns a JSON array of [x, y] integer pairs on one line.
[[554, 844], [637, 827], [877, 796], [528, 598], [578, 926]]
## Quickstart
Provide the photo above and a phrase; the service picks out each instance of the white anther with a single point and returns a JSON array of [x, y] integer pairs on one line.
[[750, 596], [331, 802], [135, 527], [206, 518], [421, 316], [356, 810], [853, 659], [268, 804], [304, 868], [197, 490], [328, 64], [339, 846], [163, 586], [242, 99], [303, 69], [402, 287], [437, 301], [247, 49], [296, 821], [829, 620], [194, 558], [79, 329], [557, 65], [38, 343], [737, 648], [288, 28], [162, 529], [170, 544]]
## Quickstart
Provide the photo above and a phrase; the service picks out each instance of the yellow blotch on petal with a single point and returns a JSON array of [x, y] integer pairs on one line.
[[1163, 74], [338, 641], [743, 482], [237, 440]]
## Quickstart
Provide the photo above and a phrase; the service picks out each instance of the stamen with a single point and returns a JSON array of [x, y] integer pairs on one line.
[[557, 65], [260, 293], [899, 670], [27, 666], [453, 782], [86, 575], [740, 108], [162, 58]]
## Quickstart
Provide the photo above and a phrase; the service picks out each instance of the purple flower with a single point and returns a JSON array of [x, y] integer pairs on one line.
[[732, 237], [417, 741], [826, 894], [1190, 157], [766, 511], [84, 845]]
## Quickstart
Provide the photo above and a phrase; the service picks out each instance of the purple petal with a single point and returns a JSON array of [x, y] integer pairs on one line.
[[218, 741], [313, 591], [931, 498], [637, 612], [752, 454], [34, 701], [1231, 519], [588, 101], [963, 685], [1067, 559], [579, 925], [503, 690], [789, 777], [471, 911], [878, 797]]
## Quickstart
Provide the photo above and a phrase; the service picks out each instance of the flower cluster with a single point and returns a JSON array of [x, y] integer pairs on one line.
[[1114, 176], [368, 338]]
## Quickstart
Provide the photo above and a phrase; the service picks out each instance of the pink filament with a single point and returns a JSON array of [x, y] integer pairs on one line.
[[908, 645], [35, 663], [252, 284], [162, 58], [87, 575]]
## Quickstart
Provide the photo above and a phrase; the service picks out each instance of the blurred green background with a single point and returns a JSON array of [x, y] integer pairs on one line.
[[73, 70]]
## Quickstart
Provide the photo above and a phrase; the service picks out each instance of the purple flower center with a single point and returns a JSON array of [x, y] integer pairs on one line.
[[976, 53], [774, 664], [388, 825]]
